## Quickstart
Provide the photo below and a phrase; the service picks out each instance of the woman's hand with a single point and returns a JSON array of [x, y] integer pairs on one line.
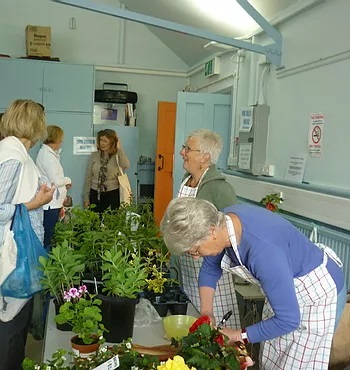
[[232, 334], [43, 196], [86, 203]]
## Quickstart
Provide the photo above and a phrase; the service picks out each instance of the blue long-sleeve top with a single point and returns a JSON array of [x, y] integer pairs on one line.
[[275, 253]]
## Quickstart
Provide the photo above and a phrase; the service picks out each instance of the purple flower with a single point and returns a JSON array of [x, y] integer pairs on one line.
[[66, 296], [74, 293], [83, 289]]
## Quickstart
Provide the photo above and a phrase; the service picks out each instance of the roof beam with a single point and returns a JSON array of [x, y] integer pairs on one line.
[[272, 51]]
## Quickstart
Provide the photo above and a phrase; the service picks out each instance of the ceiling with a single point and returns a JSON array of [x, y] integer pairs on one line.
[[232, 21]]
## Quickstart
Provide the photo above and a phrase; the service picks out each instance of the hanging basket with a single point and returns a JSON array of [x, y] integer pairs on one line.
[[83, 350]]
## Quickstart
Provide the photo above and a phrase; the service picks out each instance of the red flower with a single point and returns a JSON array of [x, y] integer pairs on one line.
[[220, 340], [271, 207], [200, 321]]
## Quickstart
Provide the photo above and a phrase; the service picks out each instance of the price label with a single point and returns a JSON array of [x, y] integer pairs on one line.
[[111, 364]]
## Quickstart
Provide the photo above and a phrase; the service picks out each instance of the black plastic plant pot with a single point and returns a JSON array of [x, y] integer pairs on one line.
[[118, 316], [61, 327], [179, 308], [162, 308]]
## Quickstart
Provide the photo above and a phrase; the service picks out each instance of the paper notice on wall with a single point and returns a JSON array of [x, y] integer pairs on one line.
[[244, 156], [246, 119], [296, 168], [316, 130], [83, 145]]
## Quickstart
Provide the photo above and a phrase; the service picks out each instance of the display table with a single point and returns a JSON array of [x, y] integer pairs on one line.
[[151, 335]]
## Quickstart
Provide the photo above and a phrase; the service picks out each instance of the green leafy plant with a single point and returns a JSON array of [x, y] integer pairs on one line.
[[156, 263], [128, 359], [206, 348], [82, 311], [62, 269], [272, 202], [124, 273]]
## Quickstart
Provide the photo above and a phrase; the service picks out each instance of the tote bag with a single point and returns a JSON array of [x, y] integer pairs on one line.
[[125, 193], [24, 280]]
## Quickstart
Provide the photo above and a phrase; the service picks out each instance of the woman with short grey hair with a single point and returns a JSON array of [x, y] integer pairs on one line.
[[185, 225], [200, 153], [304, 284], [208, 142]]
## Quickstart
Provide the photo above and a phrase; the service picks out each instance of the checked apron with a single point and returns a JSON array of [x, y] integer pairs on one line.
[[308, 347], [225, 295]]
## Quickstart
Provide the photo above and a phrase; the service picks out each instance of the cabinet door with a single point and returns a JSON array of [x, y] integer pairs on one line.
[[68, 87], [20, 79]]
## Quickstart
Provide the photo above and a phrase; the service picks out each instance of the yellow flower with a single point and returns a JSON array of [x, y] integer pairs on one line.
[[178, 363]]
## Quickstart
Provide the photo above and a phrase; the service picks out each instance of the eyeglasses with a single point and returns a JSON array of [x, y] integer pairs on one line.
[[187, 149]]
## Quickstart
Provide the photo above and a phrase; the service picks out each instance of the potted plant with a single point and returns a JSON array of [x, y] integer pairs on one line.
[[62, 269], [206, 348], [81, 310], [124, 278]]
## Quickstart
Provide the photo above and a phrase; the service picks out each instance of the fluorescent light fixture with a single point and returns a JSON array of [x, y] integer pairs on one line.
[[226, 12]]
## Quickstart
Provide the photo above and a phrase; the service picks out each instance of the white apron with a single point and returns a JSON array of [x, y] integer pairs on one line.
[[308, 347], [225, 295]]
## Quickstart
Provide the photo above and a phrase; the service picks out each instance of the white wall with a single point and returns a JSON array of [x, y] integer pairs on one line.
[[316, 37], [95, 39]]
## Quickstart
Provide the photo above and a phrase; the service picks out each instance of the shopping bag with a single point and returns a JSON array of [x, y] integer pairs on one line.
[[8, 255], [24, 280], [125, 193]]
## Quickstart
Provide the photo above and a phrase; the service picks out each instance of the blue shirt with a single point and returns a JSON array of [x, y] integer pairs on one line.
[[275, 252]]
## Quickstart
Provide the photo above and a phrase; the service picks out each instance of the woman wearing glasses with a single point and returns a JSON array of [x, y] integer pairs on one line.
[[304, 284], [101, 180], [200, 153]]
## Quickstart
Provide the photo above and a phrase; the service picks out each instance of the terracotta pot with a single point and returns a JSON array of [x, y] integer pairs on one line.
[[83, 350]]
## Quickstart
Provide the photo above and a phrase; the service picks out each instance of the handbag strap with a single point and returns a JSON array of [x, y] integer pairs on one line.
[[119, 169]]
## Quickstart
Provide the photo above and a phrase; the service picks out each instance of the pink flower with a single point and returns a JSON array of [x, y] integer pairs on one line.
[[83, 289], [74, 293], [66, 296]]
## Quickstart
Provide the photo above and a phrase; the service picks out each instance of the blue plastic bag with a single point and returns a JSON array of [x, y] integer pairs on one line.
[[24, 280]]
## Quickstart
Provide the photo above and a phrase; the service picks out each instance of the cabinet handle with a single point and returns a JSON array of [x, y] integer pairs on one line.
[[162, 164]]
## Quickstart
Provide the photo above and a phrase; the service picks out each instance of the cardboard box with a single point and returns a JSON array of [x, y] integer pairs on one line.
[[38, 41]]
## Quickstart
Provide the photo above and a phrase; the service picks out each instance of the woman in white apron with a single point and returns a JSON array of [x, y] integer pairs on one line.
[[200, 154], [304, 285]]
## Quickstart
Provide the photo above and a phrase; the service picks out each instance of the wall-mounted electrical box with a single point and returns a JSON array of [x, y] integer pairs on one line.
[[212, 67], [252, 139]]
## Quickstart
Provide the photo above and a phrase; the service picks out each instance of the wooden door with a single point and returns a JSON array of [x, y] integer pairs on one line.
[[163, 182]]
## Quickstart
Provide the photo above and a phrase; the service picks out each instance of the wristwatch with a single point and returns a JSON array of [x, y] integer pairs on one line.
[[244, 336]]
